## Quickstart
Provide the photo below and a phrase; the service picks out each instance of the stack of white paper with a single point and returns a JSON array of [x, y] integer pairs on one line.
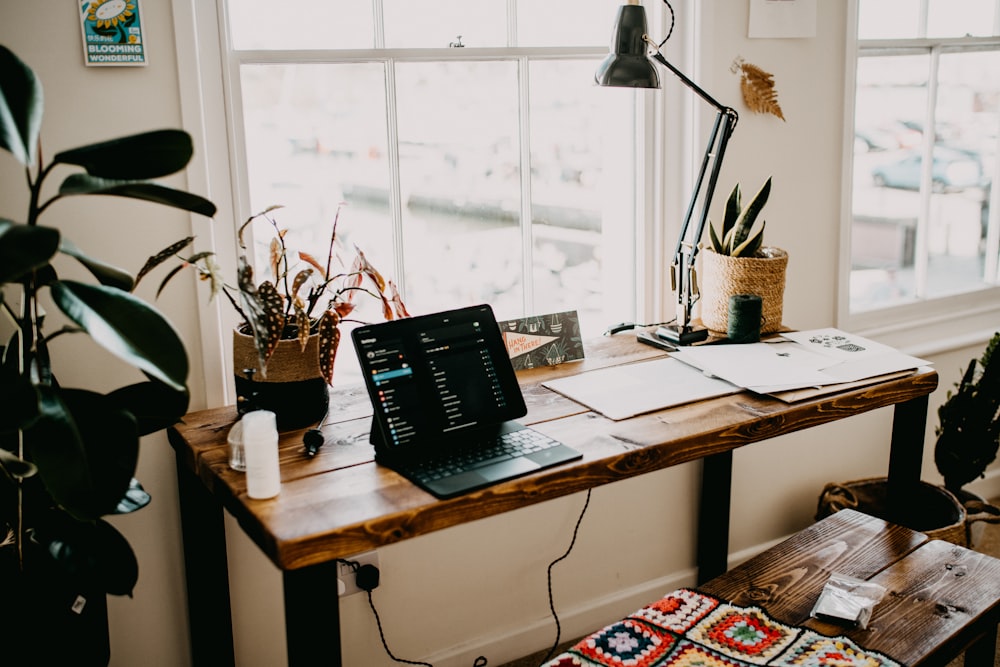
[[798, 360]]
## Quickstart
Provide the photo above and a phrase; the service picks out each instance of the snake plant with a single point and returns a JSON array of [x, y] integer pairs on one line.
[[738, 238]]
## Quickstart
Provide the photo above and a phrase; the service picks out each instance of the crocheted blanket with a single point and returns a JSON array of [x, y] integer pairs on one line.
[[687, 628]]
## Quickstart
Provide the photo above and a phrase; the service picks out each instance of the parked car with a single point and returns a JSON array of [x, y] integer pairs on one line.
[[953, 169]]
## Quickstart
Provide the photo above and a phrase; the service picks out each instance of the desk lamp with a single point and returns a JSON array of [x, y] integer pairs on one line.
[[628, 65]]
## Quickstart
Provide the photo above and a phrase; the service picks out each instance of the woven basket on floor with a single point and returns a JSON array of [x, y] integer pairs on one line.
[[933, 510], [723, 276]]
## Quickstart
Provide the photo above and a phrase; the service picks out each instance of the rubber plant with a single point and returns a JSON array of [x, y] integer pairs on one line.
[[738, 238], [68, 454]]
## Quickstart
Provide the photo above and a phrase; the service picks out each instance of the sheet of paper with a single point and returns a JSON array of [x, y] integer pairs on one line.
[[854, 357], [786, 365], [803, 359], [634, 389]]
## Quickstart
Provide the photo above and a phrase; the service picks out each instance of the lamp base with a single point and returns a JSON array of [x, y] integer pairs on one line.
[[679, 335]]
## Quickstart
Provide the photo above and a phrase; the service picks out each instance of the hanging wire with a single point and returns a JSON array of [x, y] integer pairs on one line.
[[671, 30]]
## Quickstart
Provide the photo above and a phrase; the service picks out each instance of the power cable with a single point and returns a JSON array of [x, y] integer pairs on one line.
[[552, 606]]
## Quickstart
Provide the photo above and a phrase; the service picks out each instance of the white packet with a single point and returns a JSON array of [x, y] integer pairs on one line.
[[845, 598]]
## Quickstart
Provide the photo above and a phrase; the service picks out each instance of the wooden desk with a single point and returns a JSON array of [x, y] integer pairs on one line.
[[340, 503]]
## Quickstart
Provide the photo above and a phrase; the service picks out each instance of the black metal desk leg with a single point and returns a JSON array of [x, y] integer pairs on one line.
[[713, 515], [207, 573], [312, 616], [906, 455]]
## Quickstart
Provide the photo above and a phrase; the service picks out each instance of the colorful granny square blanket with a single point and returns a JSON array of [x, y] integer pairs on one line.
[[687, 628]]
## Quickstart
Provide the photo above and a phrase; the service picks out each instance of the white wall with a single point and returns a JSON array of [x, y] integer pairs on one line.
[[480, 589]]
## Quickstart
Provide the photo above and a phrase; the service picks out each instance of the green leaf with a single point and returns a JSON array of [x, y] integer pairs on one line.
[[91, 552], [134, 158], [16, 467], [24, 248], [127, 327], [21, 106], [750, 246], [17, 395], [105, 273], [732, 210], [86, 449], [716, 243], [741, 231], [82, 184], [154, 405]]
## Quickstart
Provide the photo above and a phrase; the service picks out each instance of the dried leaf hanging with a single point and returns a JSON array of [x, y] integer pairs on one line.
[[757, 87]]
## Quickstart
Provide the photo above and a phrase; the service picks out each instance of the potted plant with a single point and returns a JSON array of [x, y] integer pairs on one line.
[[738, 263], [968, 430], [286, 343], [68, 454], [968, 436]]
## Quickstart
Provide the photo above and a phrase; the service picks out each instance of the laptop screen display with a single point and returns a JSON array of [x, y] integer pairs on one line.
[[435, 376]]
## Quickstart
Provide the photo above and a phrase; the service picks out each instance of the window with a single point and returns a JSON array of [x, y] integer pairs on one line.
[[924, 226], [465, 136]]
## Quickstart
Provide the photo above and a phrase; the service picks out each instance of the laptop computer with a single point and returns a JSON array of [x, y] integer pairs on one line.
[[446, 401]]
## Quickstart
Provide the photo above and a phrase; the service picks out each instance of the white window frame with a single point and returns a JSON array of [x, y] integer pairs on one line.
[[665, 176], [930, 325]]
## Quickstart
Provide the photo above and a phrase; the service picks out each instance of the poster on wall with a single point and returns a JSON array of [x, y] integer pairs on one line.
[[112, 32]]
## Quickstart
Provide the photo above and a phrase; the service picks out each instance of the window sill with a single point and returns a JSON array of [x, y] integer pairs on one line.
[[933, 328]]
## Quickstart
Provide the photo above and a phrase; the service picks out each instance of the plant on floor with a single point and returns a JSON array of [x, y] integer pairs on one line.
[[736, 239], [968, 430], [68, 455]]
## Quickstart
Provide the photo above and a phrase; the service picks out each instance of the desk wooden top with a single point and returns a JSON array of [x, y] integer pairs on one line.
[[340, 502]]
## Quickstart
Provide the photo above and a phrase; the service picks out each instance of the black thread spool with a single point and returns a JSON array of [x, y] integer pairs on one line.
[[745, 317]]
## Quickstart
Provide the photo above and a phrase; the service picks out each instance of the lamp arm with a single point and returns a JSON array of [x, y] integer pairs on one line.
[[682, 277], [722, 130], [658, 57]]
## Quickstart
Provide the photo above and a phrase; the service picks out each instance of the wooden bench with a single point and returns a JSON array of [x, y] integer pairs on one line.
[[941, 600]]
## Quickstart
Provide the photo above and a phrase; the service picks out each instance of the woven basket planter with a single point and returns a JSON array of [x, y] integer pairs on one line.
[[723, 276], [933, 510], [294, 389]]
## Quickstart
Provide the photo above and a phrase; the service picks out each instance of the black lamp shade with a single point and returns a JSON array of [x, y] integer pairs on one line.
[[627, 65]]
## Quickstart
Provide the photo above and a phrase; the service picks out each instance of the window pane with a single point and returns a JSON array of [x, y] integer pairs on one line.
[[304, 24], [922, 232], [890, 91], [316, 136], [572, 121], [974, 18], [888, 19], [439, 23], [460, 179], [964, 162], [550, 23]]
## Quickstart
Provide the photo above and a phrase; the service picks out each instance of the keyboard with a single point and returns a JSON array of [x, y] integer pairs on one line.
[[504, 447]]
